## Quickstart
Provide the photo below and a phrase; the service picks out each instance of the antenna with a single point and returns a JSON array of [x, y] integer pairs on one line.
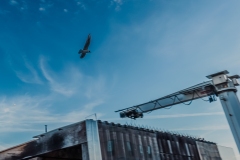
[[45, 128], [95, 114]]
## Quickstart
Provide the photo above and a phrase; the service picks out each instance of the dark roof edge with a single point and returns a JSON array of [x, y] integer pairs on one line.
[[17, 146]]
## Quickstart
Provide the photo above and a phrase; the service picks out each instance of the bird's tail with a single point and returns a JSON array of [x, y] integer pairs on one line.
[[80, 51]]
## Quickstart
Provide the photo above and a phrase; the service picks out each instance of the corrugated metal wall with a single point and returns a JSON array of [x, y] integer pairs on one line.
[[123, 142], [208, 151], [177, 147]]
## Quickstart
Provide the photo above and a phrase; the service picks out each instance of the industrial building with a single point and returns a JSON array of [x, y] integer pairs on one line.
[[98, 140]]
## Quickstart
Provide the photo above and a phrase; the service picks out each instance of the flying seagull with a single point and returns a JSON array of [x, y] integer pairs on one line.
[[85, 50]]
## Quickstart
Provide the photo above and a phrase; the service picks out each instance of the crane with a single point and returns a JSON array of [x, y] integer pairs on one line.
[[220, 85]]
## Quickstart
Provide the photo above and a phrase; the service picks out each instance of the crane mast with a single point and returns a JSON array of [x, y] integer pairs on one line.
[[220, 85]]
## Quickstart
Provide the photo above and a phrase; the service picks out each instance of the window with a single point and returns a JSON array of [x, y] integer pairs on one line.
[[141, 149], [129, 148], [191, 150], [178, 147], [186, 145], [149, 151], [160, 145], [110, 146], [170, 146]]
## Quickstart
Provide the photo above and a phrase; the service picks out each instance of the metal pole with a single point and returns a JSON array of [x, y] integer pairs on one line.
[[226, 90], [231, 107]]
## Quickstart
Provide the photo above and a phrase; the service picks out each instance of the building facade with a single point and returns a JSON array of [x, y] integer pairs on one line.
[[97, 140]]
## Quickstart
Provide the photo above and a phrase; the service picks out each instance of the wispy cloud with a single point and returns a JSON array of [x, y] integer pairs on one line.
[[183, 115], [86, 111], [24, 5], [80, 92], [19, 4], [95, 87], [42, 9], [117, 4], [72, 81], [207, 133], [172, 116], [36, 110], [26, 105], [67, 83], [44, 5], [80, 4], [205, 128], [13, 2], [31, 77]]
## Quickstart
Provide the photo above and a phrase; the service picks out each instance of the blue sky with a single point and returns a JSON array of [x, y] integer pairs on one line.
[[140, 50]]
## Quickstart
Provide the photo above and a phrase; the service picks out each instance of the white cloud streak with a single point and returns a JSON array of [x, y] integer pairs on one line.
[[32, 77], [44, 5], [67, 83], [71, 81], [95, 89], [42, 9], [23, 113], [117, 4], [22, 5], [13, 2], [80, 4], [173, 116], [183, 115], [205, 128], [86, 111]]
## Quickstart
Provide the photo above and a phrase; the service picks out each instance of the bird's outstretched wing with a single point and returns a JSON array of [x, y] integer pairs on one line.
[[87, 42], [82, 55]]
